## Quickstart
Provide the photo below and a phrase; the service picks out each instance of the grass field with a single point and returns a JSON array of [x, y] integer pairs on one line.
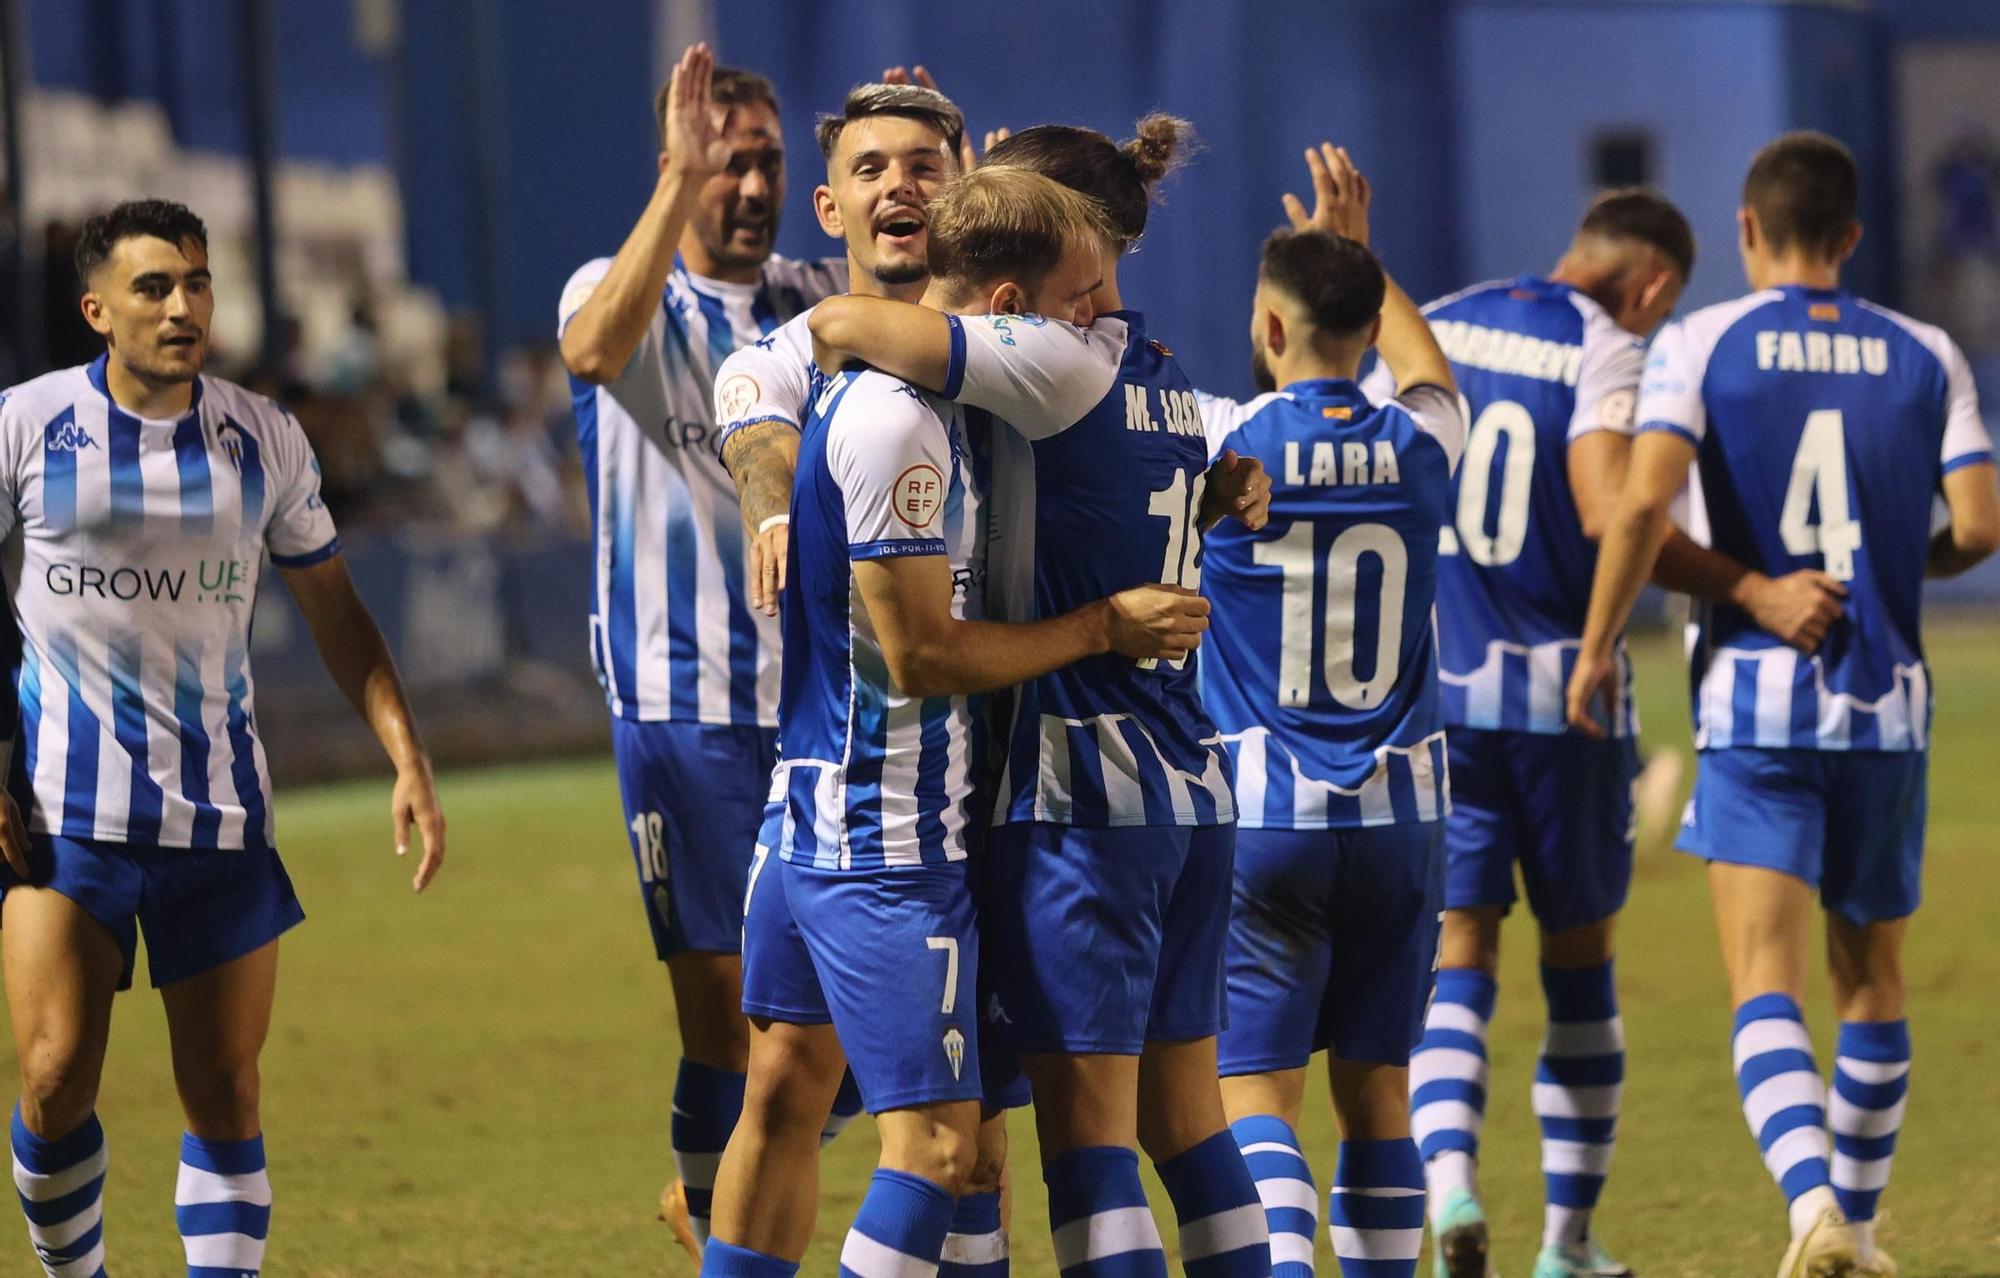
[[475, 1082]]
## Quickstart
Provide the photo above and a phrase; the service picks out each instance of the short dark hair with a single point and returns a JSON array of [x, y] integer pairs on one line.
[[164, 219], [727, 87], [1336, 279], [1643, 214], [1805, 190], [911, 101], [1119, 176], [1001, 221]]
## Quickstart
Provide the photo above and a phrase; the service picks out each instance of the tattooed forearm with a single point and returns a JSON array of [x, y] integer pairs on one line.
[[761, 459]]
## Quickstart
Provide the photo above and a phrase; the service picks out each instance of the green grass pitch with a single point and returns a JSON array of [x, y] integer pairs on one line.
[[476, 1082]]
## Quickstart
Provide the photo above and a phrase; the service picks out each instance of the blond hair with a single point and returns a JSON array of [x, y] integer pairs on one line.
[[1000, 222]]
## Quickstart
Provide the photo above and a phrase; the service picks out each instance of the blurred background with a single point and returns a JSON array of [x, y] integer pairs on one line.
[[396, 189]]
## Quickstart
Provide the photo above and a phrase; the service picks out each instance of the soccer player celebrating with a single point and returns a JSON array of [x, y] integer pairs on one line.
[[1819, 427], [1322, 674], [689, 669], [1106, 895], [139, 498], [883, 644]]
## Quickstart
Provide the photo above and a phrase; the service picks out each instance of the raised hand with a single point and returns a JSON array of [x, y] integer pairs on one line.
[[968, 158], [1340, 195], [1157, 622], [695, 139]]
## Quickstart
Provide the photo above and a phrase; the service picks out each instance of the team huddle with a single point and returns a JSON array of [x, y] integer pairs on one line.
[[1121, 747]]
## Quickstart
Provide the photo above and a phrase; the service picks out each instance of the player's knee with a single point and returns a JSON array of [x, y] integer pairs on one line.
[[936, 1147], [790, 1088], [989, 1160], [58, 1089], [222, 1101]]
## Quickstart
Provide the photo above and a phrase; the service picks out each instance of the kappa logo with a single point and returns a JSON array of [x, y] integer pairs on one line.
[[65, 436], [995, 1013], [954, 1050], [917, 495]]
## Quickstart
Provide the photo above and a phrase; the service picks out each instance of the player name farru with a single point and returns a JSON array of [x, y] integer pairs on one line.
[[1179, 414], [215, 581], [1789, 351]]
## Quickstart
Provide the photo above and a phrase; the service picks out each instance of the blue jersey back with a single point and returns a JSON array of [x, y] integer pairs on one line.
[[1824, 425], [1540, 365], [1321, 663], [1098, 491]]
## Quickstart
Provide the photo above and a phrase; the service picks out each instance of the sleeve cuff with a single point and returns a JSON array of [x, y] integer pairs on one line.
[[729, 431], [1963, 460], [311, 557], [1672, 428], [895, 547], [954, 374]]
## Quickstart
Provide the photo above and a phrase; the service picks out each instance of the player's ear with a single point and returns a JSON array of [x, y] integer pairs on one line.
[[94, 314], [1655, 286], [1850, 242], [1374, 329], [827, 211], [1747, 230], [1007, 299]]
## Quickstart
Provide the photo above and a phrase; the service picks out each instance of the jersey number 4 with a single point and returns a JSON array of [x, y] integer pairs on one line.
[[1819, 478], [1293, 554]]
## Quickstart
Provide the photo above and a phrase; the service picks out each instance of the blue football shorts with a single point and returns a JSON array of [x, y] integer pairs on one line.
[[199, 908], [1103, 940], [1849, 823], [1558, 806], [1333, 940], [694, 796]]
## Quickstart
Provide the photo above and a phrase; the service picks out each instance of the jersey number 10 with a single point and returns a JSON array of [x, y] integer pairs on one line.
[[1819, 471], [1293, 554]]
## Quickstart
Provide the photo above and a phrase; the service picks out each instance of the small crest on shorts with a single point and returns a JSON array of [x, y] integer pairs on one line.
[[954, 1050]]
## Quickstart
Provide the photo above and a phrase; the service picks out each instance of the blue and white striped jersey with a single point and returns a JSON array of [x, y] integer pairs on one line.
[[131, 551], [770, 380], [672, 633], [1824, 424], [872, 777], [1540, 366], [1321, 660], [1095, 490]]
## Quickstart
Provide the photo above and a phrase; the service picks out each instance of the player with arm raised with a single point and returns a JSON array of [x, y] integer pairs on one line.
[[883, 644], [1820, 427], [138, 499], [1321, 672], [1106, 900], [690, 671]]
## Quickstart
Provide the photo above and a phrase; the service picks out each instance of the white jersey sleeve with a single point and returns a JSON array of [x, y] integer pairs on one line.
[[301, 530], [1438, 413], [1038, 375], [767, 381], [577, 291], [1607, 379], [1966, 439], [1221, 417], [1670, 391], [14, 434], [891, 457]]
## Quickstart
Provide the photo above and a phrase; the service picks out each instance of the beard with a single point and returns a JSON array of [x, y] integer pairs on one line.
[[897, 273], [1260, 372]]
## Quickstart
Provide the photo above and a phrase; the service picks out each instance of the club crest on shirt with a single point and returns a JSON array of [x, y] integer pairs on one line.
[[736, 395], [917, 495], [954, 1050], [230, 435]]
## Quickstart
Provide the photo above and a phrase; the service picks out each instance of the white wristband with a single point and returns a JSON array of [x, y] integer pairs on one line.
[[771, 523]]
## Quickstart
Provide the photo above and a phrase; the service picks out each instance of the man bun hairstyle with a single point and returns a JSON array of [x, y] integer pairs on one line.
[[1003, 222], [911, 101], [1805, 190], [1338, 281], [1119, 176], [727, 87], [163, 219], [1642, 214]]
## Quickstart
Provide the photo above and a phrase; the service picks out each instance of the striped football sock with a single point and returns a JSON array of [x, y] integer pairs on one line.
[[1285, 1186], [1098, 1214], [846, 1108], [899, 1231], [707, 1103], [1871, 1085], [1577, 1088], [61, 1186], [1222, 1230], [1784, 1102], [721, 1260], [222, 1202], [1376, 1210], [976, 1247], [1448, 1080]]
